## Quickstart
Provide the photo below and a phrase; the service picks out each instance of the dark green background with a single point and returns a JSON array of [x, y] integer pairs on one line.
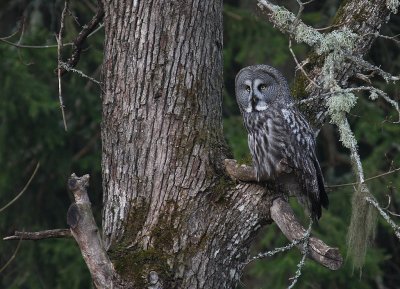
[[31, 131]]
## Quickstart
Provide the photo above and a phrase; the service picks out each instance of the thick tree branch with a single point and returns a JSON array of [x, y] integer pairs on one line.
[[86, 233], [284, 217], [239, 172]]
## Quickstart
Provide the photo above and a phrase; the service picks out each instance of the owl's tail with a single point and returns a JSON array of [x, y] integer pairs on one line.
[[322, 195]]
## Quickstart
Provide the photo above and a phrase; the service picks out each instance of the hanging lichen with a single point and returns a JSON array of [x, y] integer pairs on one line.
[[336, 47], [362, 226]]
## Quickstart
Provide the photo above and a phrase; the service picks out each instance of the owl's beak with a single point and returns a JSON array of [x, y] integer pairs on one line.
[[254, 100]]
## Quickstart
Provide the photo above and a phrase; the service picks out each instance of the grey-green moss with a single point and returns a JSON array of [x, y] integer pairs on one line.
[[136, 265], [299, 87]]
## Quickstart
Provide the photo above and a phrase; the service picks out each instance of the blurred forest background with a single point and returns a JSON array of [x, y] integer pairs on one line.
[[31, 131]]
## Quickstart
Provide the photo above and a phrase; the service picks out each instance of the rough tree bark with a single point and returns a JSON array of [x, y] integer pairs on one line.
[[169, 208], [173, 217]]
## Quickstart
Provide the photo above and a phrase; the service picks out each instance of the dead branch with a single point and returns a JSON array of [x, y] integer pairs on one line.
[[47, 234], [81, 38], [283, 215], [60, 45], [394, 226], [301, 66], [86, 233]]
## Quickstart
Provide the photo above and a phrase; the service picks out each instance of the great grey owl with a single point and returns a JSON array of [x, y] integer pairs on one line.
[[281, 142]]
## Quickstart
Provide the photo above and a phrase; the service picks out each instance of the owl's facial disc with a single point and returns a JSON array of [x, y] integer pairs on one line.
[[259, 98]]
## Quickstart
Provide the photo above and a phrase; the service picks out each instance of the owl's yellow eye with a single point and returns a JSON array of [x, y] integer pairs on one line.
[[247, 88], [263, 87]]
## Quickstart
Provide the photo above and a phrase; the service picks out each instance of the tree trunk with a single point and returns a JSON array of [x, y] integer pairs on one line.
[[171, 215], [169, 209]]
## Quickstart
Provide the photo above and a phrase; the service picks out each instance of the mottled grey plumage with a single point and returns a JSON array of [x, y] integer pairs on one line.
[[281, 142]]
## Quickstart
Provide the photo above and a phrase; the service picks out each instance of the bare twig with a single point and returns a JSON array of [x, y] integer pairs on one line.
[[301, 7], [384, 36], [273, 252], [366, 180], [300, 66], [12, 257], [33, 46], [368, 66], [300, 265], [329, 27], [47, 234], [23, 190], [22, 29], [59, 60], [87, 30], [395, 227], [66, 67], [310, 99], [393, 214], [9, 36]]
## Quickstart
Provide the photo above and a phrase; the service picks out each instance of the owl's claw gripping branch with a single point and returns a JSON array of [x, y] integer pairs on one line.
[[283, 215]]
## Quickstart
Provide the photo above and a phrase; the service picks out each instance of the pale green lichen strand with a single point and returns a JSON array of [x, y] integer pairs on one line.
[[308, 35], [336, 46], [373, 95], [338, 41], [393, 5]]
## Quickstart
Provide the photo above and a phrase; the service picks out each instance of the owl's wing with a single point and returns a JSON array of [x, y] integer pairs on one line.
[[300, 155]]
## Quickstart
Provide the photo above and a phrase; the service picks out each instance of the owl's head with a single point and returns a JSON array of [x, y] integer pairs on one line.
[[259, 87]]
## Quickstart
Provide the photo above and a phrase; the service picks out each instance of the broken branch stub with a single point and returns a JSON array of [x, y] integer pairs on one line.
[[86, 233]]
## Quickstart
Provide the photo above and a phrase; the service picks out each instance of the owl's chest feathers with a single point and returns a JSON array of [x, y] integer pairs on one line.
[[266, 141]]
